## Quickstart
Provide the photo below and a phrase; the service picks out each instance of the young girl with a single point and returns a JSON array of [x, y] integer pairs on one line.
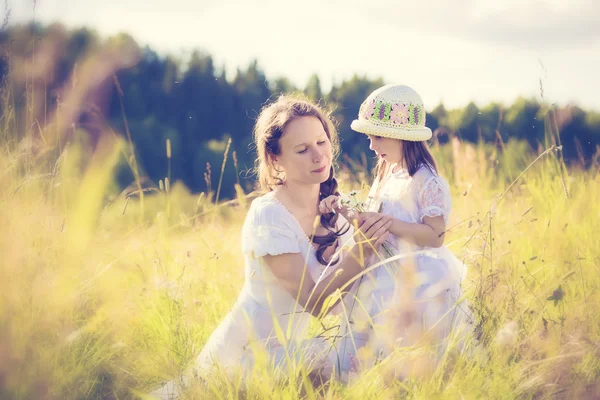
[[418, 294]]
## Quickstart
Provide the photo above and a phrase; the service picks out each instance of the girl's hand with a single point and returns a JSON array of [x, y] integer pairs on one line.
[[375, 229], [330, 204], [363, 216]]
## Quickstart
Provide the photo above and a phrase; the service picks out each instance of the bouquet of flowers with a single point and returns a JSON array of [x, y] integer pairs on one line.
[[399, 262], [350, 206]]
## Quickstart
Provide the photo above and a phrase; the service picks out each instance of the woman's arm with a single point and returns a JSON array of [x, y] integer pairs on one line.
[[290, 269]]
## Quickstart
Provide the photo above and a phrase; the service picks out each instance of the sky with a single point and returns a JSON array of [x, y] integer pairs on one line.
[[449, 51]]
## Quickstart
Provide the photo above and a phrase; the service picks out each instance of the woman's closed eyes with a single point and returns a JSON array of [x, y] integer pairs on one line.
[[321, 143]]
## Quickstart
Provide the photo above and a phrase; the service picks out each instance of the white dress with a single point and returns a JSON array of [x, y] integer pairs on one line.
[[265, 316], [426, 279]]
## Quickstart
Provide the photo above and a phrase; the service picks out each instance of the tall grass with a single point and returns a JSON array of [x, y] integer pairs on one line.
[[105, 295]]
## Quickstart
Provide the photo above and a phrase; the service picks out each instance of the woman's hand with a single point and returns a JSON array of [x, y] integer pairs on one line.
[[333, 204], [330, 204]]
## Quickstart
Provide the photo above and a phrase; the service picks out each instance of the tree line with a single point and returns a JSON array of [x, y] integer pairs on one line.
[[194, 104]]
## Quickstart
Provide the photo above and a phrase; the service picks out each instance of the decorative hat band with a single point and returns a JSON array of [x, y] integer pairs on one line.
[[405, 115]]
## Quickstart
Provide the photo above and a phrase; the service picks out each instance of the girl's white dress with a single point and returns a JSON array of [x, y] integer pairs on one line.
[[266, 318], [426, 281]]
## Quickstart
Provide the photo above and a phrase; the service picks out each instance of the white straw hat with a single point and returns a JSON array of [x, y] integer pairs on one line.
[[393, 111]]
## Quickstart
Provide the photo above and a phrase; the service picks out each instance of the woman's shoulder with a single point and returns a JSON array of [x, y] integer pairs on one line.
[[264, 207], [267, 210], [266, 200], [269, 229]]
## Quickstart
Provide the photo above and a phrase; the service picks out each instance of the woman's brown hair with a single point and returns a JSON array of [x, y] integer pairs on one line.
[[268, 129]]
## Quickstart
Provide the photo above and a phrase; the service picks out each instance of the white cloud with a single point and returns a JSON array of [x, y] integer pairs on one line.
[[533, 24]]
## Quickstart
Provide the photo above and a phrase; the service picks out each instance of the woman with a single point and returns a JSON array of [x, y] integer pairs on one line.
[[295, 258]]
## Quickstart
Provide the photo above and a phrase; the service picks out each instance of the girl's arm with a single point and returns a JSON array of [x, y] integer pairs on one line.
[[434, 204], [290, 269], [430, 233]]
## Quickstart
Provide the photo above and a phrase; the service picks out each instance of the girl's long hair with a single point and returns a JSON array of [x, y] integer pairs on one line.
[[414, 154]]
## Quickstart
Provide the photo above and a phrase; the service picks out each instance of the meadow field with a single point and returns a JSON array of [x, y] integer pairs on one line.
[[106, 294]]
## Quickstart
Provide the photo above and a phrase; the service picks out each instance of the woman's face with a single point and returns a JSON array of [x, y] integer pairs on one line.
[[306, 154], [388, 149]]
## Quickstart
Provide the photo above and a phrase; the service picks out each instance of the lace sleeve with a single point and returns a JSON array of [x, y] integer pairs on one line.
[[434, 199]]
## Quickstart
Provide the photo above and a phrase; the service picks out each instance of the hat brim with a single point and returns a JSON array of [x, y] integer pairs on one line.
[[415, 135]]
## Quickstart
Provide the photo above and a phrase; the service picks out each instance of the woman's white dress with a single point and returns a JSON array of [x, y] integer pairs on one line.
[[265, 318]]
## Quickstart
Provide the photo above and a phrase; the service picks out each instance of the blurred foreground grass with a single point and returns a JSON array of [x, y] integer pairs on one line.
[[99, 299]]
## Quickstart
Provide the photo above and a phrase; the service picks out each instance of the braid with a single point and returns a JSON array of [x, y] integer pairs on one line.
[[328, 221]]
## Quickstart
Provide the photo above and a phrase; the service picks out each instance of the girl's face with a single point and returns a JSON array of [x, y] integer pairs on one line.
[[388, 149], [306, 154]]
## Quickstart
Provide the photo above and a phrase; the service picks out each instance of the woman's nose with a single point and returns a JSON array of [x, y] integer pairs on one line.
[[317, 156]]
